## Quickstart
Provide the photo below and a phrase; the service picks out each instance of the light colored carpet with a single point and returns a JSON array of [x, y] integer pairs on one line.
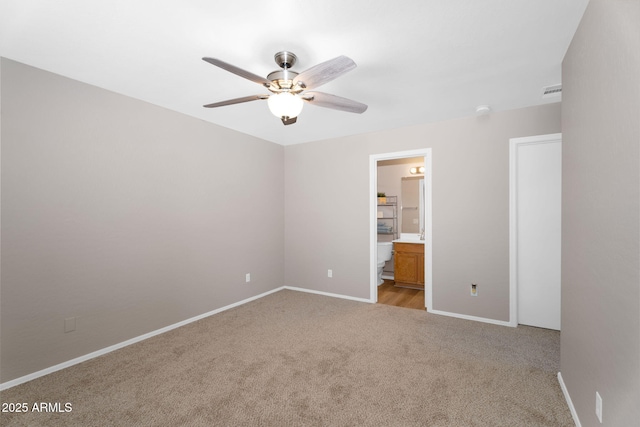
[[298, 359]]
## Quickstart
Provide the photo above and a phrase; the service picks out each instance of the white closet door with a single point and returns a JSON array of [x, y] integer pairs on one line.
[[538, 185]]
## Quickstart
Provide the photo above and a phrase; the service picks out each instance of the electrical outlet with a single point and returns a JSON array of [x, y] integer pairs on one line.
[[474, 290], [599, 407], [329, 273], [248, 277]]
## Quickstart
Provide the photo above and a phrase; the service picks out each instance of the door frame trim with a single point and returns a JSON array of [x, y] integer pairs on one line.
[[514, 143], [373, 234]]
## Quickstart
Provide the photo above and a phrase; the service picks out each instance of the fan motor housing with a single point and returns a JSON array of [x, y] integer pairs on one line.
[[282, 79]]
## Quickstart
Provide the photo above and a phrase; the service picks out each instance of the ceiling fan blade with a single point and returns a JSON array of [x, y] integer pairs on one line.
[[236, 101], [238, 71], [336, 102], [325, 72]]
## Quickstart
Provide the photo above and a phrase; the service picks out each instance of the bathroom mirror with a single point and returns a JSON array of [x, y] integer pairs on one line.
[[412, 204]]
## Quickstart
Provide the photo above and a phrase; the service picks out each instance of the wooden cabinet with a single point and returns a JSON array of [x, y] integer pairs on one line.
[[408, 263]]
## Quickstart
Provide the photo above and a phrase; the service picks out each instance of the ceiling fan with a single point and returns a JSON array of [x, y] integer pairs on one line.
[[289, 88]]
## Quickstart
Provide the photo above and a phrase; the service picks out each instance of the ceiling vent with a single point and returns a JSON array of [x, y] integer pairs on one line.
[[551, 91]]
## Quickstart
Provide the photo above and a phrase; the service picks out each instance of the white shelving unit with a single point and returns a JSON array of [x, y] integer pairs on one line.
[[388, 227]]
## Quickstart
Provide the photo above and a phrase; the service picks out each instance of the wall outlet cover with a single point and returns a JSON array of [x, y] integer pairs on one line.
[[474, 290], [599, 407]]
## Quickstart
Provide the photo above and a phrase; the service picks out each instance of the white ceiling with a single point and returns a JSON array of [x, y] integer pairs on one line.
[[418, 61]]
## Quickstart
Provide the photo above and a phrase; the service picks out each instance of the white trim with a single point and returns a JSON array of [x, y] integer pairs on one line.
[[428, 231], [101, 352], [574, 414], [126, 343], [513, 226], [474, 318], [328, 294], [428, 244]]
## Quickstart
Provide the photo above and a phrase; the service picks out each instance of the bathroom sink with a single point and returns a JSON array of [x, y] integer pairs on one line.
[[409, 238]]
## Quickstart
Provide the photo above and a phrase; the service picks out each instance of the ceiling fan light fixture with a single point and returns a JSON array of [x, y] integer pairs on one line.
[[288, 87], [285, 104]]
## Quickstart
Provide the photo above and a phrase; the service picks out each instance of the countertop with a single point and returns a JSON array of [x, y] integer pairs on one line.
[[414, 241]]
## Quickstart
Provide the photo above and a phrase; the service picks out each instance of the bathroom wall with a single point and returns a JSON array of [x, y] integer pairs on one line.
[[390, 174], [125, 216], [327, 208], [600, 338]]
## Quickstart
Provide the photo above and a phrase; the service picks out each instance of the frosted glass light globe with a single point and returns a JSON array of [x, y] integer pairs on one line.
[[285, 104]]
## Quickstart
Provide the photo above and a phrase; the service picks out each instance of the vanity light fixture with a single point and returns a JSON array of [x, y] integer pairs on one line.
[[416, 170]]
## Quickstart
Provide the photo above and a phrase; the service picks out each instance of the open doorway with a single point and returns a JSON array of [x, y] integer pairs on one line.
[[389, 173]]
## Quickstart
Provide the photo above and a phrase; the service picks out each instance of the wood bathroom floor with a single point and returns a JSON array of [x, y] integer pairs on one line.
[[388, 294]]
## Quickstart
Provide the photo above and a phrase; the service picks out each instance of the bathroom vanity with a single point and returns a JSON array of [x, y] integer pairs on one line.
[[408, 264]]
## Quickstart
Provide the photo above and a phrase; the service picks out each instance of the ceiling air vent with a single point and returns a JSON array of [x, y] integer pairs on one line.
[[551, 91]]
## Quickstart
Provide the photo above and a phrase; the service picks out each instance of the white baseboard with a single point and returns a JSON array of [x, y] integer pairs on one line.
[[109, 349], [574, 414], [474, 318], [43, 372], [328, 294]]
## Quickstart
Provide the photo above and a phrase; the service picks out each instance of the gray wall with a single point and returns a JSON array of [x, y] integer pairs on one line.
[[327, 207], [125, 215], [600, 340]]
